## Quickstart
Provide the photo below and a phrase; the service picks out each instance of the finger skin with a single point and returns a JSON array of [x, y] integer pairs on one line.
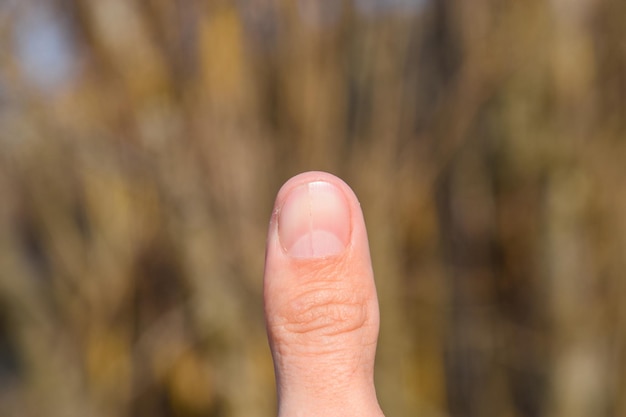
[[322, 318]]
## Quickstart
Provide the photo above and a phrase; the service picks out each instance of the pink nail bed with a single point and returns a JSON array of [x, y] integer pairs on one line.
[[314, 221]]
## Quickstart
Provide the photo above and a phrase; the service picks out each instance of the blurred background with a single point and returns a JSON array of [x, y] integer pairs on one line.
[[142, 144]]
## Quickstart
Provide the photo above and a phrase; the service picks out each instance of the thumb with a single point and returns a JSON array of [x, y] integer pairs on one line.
[[320, 300]]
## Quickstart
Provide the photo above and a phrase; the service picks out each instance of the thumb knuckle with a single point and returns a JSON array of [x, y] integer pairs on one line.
[[325, 311]]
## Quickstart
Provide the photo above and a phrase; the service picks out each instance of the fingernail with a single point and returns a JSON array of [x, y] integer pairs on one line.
[[314, 221]]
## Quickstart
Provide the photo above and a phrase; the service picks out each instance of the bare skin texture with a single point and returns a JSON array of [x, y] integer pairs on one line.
[[320, 301]]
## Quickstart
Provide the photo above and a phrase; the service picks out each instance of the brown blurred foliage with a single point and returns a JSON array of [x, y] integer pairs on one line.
[[142, 144]]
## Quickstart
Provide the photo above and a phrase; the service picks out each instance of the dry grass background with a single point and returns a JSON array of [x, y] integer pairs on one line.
[[485, 140]]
